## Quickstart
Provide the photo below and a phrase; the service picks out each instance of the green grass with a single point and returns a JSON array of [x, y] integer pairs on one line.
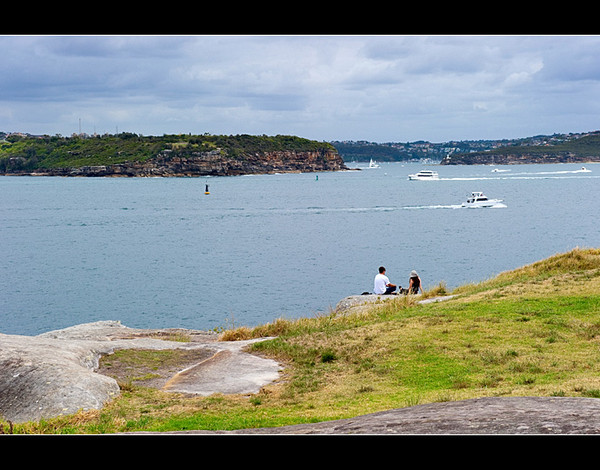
[[534, 331]]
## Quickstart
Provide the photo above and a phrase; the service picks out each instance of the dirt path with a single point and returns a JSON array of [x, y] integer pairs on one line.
[[150, 368]]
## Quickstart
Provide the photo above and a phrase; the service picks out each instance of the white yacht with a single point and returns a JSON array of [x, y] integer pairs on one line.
[[424, 175], [478, 199]]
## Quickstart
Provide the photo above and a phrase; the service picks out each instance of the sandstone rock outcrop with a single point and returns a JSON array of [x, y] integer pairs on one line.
[[55, 373], [213, 163], [488, 416], [353, 303]]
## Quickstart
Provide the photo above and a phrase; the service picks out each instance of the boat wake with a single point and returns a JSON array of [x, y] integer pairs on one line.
[[319, 210], [316, 210], [583, 172], [433, 206], [240, 212], [453, 206]]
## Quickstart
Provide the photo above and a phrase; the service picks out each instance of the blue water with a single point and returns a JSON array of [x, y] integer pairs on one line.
[[157, 252]]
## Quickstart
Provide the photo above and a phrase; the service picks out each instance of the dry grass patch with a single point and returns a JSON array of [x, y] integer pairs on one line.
[[583, 262]]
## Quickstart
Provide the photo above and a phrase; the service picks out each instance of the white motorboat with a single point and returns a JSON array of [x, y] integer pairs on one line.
[[424, 175], [478, 199], [373, 164]]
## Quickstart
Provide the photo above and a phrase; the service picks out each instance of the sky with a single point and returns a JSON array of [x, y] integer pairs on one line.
[[378, 88]]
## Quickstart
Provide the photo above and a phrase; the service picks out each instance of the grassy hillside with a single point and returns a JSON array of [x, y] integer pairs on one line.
[[534, 331], [583, 148]]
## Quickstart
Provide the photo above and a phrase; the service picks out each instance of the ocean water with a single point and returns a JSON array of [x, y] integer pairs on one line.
[[158, 252]]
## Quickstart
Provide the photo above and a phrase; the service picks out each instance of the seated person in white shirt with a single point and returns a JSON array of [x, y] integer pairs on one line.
[[382, 285]]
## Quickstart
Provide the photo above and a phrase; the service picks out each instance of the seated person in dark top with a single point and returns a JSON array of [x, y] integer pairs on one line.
[[415, 283]]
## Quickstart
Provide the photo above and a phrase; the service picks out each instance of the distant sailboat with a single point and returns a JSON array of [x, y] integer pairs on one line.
[[373, 164]]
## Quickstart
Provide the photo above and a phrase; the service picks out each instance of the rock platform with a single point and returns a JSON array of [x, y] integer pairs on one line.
[[55, 373], [478, 416], [364, 300]]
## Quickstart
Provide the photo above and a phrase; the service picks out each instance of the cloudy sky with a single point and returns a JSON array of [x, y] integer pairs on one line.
[[366, 87]]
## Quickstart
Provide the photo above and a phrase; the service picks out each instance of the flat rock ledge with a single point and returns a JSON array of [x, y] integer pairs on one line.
[[353, 302], [479, 416], [55, 373]]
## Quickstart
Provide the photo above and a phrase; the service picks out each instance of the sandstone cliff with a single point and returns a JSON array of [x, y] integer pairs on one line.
[[212, 163]]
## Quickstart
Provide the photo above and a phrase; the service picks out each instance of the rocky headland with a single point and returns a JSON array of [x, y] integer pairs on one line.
[[516, 158], [57, 373], [175, 155], [212, 163], [578, 148]]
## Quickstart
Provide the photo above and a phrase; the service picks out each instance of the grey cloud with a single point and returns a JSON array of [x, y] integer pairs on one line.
[[390, 87]]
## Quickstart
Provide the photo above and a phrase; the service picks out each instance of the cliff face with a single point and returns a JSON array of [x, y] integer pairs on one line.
[[171, 163]]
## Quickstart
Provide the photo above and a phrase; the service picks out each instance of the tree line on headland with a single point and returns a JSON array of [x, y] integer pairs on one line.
[[578, 148], [535, 149]]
